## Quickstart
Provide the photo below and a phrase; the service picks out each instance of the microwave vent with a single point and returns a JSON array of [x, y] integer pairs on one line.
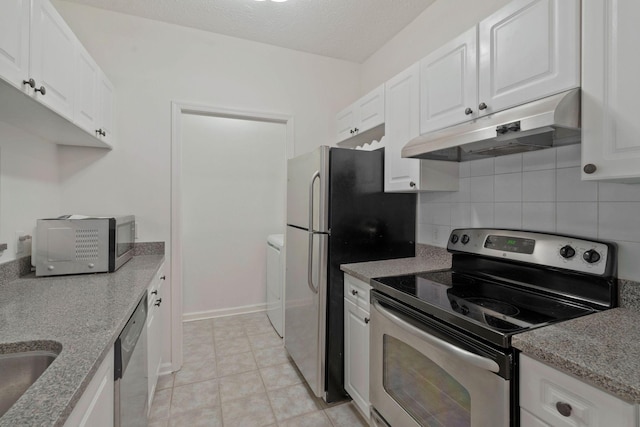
[[86, 244]]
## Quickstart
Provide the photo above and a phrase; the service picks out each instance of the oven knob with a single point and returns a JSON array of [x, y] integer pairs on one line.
[[465, 239], [567, 252], [454, 238], [454, 304], [464, 309], [591, 256]]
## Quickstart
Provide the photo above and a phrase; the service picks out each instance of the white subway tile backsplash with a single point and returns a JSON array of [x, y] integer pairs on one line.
[[539, 186], [571, 188], [460, 215], [482, 214], [628, 265], [508, 187], [508, 164], [568, 156], [465, 170], [441, 213], [482, 167], [619, 221], [464, 191], [436, 196], [577, 218], [508, 215], [539, 160], [539, 216], [482, 189], [440, 235], [616, 192]]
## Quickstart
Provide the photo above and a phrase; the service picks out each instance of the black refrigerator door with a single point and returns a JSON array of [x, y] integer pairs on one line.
[[366, 224]]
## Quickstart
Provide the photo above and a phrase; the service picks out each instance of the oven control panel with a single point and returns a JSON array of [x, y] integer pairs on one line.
[[551, 250]]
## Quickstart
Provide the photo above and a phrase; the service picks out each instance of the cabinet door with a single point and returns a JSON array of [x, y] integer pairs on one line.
[[14, 41], [610, 90], [52, 58], [449, 83], [370, 110], [106, 95], [96, 407], [346, 121], [156, 295], [402, 113], [529, 49], [356, 355], [86, 113]]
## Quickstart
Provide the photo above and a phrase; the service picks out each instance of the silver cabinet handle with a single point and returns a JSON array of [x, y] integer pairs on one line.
[[412, 184], [564, 409], [473, 359], [158, 302], [313, 288], [589, 168], [468, 111], [367, 320], [482, 106], [41, 89], [354, 292], [29, 82]]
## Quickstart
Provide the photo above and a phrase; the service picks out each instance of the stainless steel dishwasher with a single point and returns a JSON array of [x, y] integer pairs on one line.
[[131, 370]]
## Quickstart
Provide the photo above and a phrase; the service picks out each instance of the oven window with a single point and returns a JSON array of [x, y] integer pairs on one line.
[[423, 389]]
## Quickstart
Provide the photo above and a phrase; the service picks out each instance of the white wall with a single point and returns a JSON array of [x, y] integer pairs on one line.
[[153, 63], [539, 190], [29, 184], [439, 23], [233, 185]]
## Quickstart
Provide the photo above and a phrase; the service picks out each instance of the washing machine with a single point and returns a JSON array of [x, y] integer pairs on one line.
[[275, 281]]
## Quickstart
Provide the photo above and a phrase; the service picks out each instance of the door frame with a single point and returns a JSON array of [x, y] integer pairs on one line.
[[177, 110]]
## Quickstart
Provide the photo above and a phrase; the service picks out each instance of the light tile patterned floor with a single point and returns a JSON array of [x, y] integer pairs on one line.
[[236, 372]]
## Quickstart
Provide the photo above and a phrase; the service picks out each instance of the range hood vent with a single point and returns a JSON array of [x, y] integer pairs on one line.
[[545, 123]]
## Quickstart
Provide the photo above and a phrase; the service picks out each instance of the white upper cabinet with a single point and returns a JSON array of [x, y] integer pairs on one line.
[[449, 83], [106, 104], [402, 116], [610, 91], [361, 116], [86, 114], [528, 49], [14, 41], [53, 58], [42, 58]]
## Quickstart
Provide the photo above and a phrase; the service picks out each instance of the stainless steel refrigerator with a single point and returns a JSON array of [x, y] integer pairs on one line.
[[337, 213]]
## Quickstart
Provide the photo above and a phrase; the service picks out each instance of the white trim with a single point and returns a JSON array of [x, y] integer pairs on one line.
[[177, 109], [165, 369], [223, 312]]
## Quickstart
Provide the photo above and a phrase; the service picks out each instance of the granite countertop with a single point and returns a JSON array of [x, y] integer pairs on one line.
[[602, 349], [427, 258], [80, 316]]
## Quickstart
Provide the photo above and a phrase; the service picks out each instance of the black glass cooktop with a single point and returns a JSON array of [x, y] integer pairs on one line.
[[492, 310]]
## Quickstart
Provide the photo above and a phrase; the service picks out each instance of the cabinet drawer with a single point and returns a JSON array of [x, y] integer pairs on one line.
[[528, 420], [357, 291], [546, 392]]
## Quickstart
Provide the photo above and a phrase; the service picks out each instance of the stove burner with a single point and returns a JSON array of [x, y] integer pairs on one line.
[[495, 305]]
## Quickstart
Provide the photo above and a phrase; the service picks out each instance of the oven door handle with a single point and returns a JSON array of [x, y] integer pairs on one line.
[[473, 359]]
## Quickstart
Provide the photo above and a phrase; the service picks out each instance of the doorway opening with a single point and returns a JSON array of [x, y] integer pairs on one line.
[[228, 186]]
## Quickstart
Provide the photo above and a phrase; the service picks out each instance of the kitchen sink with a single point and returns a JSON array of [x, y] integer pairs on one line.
[[18, 371]]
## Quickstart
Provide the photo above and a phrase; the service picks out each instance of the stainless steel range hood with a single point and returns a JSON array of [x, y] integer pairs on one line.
[[545, 123]]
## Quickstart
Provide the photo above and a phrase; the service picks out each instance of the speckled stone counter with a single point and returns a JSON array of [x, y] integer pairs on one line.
[[602, 349], [79, 316], [427, 258]]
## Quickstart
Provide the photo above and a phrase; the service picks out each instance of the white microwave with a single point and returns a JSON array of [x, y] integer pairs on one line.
[[74, 244]]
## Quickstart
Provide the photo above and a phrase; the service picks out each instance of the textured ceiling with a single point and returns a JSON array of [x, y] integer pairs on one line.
[[344, 29]]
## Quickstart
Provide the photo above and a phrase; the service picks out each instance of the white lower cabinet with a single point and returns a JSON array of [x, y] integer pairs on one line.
[[96, 405], [156, 294], [549, 397], [356, 342]]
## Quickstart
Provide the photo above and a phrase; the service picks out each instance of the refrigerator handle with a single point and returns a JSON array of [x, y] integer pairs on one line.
[[313, 288]]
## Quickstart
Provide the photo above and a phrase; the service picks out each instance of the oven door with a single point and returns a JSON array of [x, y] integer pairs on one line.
[[422, 377]]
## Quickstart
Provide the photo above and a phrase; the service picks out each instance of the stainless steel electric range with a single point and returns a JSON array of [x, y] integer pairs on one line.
[[441, 351]]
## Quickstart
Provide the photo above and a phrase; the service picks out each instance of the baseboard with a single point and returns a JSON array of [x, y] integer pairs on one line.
[[222, 312], [166, 368]]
